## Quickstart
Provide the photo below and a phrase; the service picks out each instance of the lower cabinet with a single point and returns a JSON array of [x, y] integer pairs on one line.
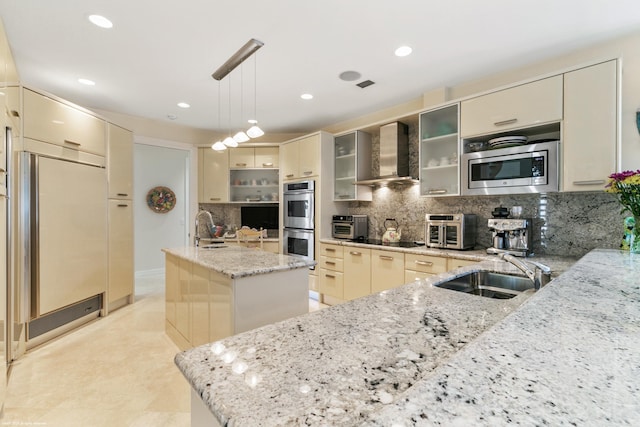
[[453, 263], [331, 271], [422, 266], [387, 270], [120, 252], [357, 273]]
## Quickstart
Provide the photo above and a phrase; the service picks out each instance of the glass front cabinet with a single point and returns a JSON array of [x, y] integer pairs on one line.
[[439, 152], [352, 157], [254, 185]]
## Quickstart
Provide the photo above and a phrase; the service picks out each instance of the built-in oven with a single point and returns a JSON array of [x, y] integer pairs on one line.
[[529, 168], [298, 206], [299, 242]]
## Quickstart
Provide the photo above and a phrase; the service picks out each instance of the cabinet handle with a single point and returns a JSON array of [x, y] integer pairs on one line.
[[505, 122], [2, 170], [289, 175], [330, 263], [592, 182], [386, 257], [214, 198], [330, 276], [307, 172], [329, 249], [355, 253], [122, 194], [437, 191], [15, 113], [67, 141], [123, 205], [267, 165], [426, 263], [241, 164]]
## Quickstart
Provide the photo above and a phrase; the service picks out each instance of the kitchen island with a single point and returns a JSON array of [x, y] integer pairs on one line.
[[216, 291], [421, 355]]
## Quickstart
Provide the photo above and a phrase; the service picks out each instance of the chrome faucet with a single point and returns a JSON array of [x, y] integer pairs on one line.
[[196, 239], [540, 275]]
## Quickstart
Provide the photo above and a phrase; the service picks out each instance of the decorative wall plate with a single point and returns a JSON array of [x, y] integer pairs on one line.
[[161, 199]]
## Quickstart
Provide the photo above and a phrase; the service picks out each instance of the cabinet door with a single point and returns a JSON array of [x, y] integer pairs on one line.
[[590, 119], [266, 157], [425, 263], [199, 305], [453, 263], [387, 270], [439, 152], [357, 273], [309, 156], [51, 121], [520, 106], [289, 160], [221, 323], [331, 283], [120, 253], [183, 307], [171, 280], [214, 176], [242, 157], [119, 162]]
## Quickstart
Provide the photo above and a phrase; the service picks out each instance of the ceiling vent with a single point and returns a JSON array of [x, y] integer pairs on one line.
[[365, 83]]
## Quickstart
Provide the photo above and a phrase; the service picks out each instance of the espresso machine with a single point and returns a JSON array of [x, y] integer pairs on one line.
[[511, 236]]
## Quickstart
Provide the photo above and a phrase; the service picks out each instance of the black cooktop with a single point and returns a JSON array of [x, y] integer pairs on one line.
[[378, 242]]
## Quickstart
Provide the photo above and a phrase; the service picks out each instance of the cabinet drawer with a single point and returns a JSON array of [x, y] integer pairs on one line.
[[425, 263], [411, 275], [51, 121], [335, 264], [520, 106], [333, 251], [331, 283], [453, 263]]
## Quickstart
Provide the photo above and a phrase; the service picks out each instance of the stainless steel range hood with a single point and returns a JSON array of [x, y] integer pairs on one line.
[[394, 156]]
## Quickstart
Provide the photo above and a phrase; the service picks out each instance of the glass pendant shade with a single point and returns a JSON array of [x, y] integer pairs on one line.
[[240, 137], [255, 132], [230, 142], [219, 146]]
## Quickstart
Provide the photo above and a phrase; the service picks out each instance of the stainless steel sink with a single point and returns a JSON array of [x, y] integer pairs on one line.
[[488, 284]]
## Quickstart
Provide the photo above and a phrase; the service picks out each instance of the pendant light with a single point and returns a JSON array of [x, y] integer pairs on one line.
[[228, 141], [241, 136], [254, 131], [218, 145]]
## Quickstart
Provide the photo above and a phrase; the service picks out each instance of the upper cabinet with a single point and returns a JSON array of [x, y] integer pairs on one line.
[[352, 162], [49, 120], [529, 104], [589, 127], [439, 173], [119, 162], [213, 176], [250, 157], [300, 158]]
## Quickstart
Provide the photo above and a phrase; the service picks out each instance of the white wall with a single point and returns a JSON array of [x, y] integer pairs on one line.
[[169, 164]]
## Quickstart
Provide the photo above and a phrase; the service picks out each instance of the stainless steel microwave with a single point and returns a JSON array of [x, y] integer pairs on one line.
[[529, 168]]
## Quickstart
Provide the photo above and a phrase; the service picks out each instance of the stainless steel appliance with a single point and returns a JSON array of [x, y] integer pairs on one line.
[[510, 236], [298, 205], [298, 219], [528, 168], [450, 231], [349, 227], [64, 236]]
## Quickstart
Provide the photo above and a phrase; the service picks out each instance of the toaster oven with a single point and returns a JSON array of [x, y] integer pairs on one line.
[[349, 227], [450, 231]]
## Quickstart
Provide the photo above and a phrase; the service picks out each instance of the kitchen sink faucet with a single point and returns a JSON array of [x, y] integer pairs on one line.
[[540, 274], [196, 238]]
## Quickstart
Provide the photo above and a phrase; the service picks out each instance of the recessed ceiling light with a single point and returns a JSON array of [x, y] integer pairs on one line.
[[100, 21], [87, 82], [183, 105], [252, 121], [349, 76], [403, 51], [306, 96]]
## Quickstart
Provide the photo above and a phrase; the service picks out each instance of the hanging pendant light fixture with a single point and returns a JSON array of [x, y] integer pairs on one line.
[[254, 131], [228, 141], [218, 145], [241, 136]]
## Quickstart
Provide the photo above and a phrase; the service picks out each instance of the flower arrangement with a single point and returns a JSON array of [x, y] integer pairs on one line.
[[626, 186]]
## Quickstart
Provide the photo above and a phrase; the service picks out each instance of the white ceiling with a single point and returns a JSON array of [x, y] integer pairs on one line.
[[161, 52]]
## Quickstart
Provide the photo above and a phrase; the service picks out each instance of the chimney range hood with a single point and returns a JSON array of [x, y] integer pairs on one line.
[[394, 157]]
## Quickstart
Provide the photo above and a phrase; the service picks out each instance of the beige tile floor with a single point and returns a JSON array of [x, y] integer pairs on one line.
[[115, 371]]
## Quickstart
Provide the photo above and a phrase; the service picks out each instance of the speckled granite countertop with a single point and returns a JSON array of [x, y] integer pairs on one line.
[[237, 261]]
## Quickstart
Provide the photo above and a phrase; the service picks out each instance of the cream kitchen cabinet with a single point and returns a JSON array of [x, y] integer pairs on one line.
[[331, 276], [589, 140], [120, 283], [119, 162], [357, 273], [301, 158], [52, 121], [254, 185], [352, 162], [529, 104], [387, 270], [453, 263], [422, 266], [253, 157], [213, 176]]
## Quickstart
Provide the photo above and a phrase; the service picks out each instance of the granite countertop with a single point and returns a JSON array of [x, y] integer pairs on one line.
[[237, 261]]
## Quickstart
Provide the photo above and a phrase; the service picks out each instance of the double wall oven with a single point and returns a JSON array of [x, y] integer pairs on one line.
[[298, 218]]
